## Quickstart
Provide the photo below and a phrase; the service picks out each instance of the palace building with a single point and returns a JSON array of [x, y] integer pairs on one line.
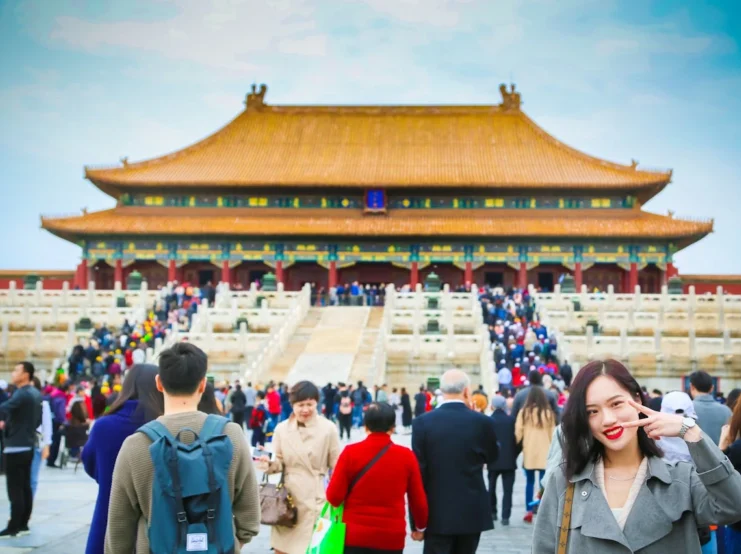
[[379, 194]]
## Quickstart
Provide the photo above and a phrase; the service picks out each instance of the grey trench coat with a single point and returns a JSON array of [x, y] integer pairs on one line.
[[672, 503]]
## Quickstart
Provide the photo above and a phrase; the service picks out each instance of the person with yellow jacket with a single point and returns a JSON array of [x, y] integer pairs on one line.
[[533, 430]]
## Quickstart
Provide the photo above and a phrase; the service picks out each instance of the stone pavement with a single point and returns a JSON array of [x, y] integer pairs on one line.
[[65, 500]]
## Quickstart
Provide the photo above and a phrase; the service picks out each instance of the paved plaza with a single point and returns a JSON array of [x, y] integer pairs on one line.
[[65, 500]]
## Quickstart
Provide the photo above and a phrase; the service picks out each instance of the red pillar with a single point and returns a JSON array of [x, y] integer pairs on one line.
[[171, 271], [671, 271], [633, 280], [118, 273], [225, 277], [522, 276], [279, 271], [332, 274], [468, 274], [414, 277], [84, 275], [578, 277]]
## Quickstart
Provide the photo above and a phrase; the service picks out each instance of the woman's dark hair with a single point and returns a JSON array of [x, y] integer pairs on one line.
[[78, 413], [380, 417], [140, 385], [735, 430], [732, 398], [579, 446], [302, 391], [537, 406], [208, 404]]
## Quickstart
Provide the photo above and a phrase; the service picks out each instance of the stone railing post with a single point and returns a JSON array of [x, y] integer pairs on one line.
[[691, 299], [720, 300], [71, 338], [590, 342], [624, 344], [37, 337], [637, 298], [5, 337], [55, 312], [38, 292], [65, 293], [693, 342], [610, 296], [12, 294], [658, 351], [91, 294]]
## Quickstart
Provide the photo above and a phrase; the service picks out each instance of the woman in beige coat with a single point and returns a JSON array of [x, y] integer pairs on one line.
[[534, 429], [306, 446]]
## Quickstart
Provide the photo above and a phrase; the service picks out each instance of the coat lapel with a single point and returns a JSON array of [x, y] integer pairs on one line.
[[303, 448], [594, 514], [647, 521]]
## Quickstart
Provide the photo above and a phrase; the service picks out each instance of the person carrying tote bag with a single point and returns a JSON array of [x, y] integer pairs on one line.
[[373, 508], [306, 447], [329, 532]]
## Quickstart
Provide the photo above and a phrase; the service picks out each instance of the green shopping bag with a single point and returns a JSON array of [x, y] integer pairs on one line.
[[329, 532]]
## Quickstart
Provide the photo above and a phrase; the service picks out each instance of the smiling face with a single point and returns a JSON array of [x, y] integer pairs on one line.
[[305, 410], [608, 409]]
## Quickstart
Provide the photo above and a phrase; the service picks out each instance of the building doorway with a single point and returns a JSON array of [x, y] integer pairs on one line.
[[494, 278], [205, 276], [256, 275], [545, 281]]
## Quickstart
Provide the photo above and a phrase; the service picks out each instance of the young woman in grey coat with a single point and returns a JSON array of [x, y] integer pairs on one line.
[[626, 498]]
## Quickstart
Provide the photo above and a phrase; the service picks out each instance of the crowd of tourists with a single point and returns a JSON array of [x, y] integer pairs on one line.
[[619, 468]]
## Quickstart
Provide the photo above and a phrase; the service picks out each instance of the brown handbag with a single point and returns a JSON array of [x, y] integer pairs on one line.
[[276, 503], [568, 504]]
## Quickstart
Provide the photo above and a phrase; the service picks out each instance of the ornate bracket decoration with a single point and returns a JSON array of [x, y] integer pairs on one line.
[[256, 99], [510, 99]]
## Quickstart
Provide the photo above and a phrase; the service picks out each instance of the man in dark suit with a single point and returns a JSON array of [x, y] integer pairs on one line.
[[453, 443], [506, 463]]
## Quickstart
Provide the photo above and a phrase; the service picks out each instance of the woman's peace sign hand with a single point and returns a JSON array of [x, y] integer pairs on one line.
[[660, 424]]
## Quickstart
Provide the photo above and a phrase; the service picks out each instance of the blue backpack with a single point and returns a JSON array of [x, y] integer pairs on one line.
[[191, 504]]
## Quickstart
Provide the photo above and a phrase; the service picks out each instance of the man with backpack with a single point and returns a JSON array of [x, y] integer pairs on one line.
[[184, 482]]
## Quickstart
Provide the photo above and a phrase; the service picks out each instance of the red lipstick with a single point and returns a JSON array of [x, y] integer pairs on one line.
[[614, 433]]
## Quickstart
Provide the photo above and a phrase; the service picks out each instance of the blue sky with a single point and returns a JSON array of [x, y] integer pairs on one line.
[[88, 82]]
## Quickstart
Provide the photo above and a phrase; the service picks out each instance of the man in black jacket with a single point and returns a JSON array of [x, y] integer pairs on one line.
[[506, 463], [23, 416], [453, 443]]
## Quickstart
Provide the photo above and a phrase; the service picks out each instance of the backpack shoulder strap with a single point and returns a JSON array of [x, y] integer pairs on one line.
[[366, 469], [154, 430], [213, 426]]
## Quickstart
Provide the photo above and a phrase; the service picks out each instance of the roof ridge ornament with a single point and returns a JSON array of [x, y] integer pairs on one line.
[[634, 164], [510, 99], [256, 98], [125, 161]]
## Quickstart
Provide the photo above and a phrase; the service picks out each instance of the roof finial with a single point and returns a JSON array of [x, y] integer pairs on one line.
[[670, 213], [633, 163], [125, 161], [510, 99], [256, 99]]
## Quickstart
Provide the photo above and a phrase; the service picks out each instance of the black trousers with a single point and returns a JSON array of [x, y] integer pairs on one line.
[[363, 550], [508, 483], [56, 440], [18, 481], [345, 424], [451, 544], [238, 418]]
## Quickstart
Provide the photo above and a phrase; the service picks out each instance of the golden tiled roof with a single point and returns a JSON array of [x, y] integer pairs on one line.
[[366, 146], [399, 223]]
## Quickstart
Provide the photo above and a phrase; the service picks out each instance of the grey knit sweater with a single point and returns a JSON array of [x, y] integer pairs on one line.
[[133, 476]]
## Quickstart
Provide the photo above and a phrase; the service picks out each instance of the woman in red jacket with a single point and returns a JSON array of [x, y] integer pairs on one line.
[[374, 508]]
